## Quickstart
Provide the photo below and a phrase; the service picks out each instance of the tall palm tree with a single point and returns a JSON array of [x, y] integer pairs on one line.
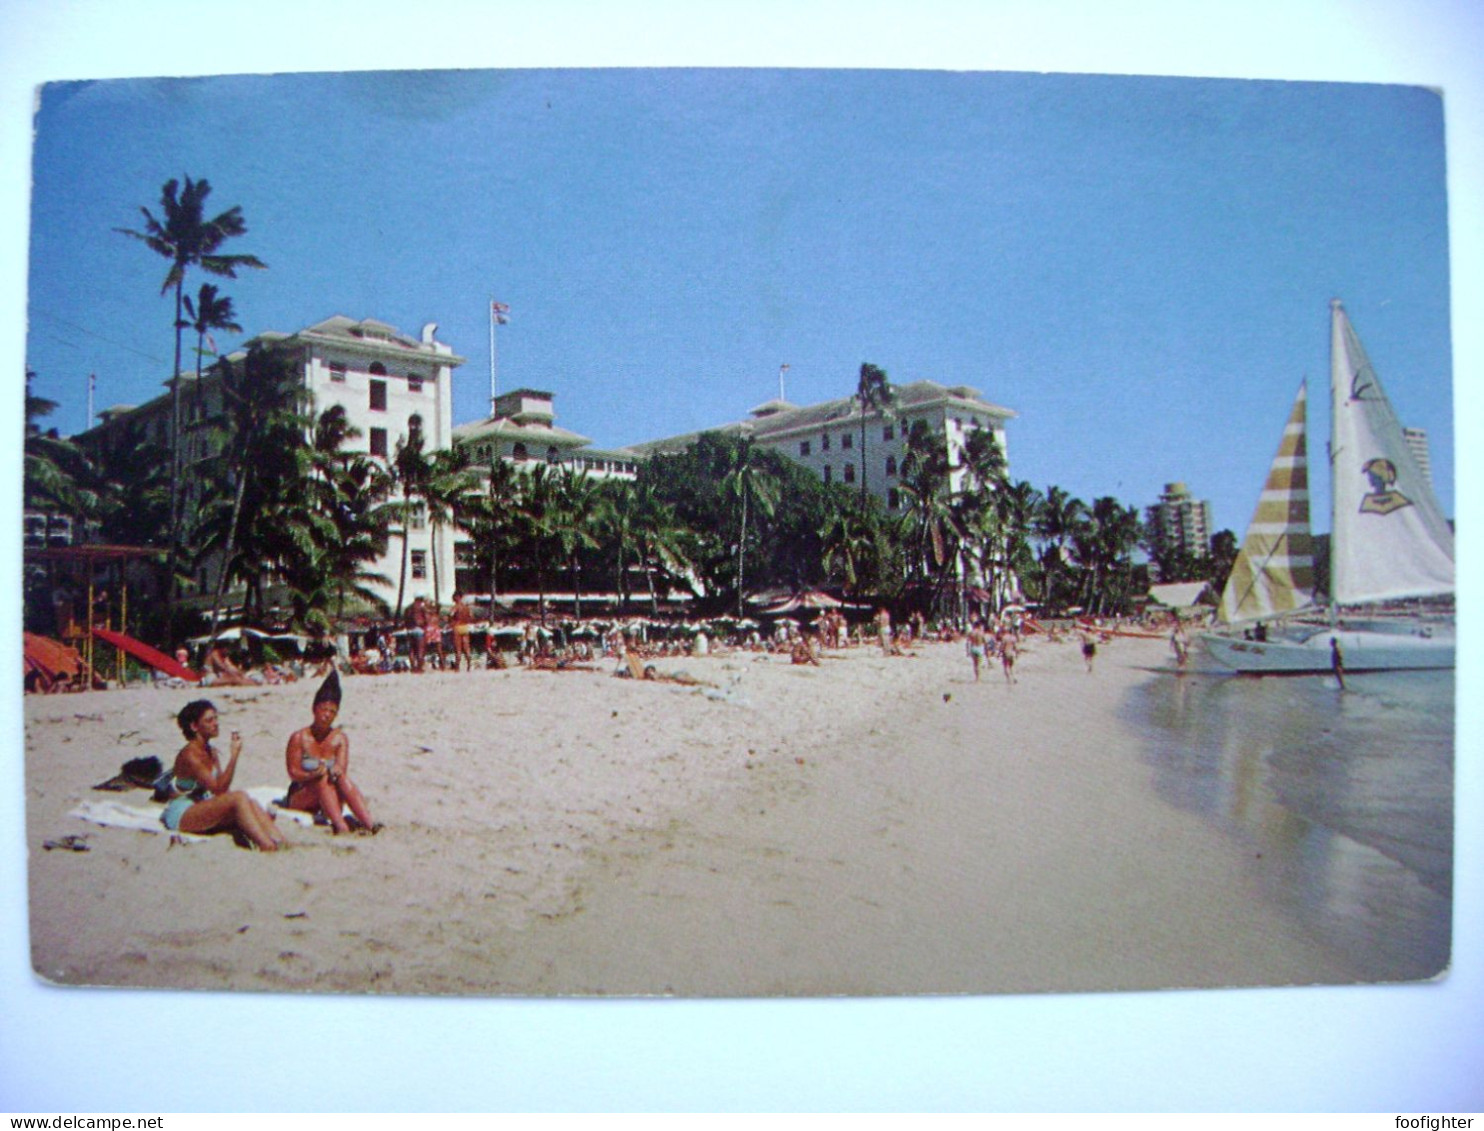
[[410, 473], [924, 479], [445, 491], [352, 488], [753, 487], [211, 311], [263, 461], [184, 236], [874, 393]]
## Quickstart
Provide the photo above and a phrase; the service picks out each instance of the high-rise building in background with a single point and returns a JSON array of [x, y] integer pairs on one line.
[[1180, 521], [1417, 444]]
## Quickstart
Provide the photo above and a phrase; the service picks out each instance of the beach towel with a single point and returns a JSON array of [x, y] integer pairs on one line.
[[145, 815]]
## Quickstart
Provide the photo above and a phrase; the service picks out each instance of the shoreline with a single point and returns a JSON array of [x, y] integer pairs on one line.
[[870, 826]]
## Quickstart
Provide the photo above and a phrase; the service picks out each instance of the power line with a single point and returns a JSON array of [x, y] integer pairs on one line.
[[94, 334]]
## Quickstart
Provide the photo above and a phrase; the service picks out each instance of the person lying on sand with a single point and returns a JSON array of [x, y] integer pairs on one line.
[[684, 678], [205, 801], [318, 760]]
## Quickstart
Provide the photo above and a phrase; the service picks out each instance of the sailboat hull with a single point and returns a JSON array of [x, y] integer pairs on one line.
[[1423, 649]]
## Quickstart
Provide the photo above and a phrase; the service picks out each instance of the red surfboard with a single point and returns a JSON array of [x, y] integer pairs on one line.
[[151, 656]]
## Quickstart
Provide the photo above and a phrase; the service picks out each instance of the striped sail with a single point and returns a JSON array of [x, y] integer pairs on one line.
[[1274, 572]]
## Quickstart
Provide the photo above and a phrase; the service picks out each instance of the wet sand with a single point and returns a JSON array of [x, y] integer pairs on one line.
[[868, 826]]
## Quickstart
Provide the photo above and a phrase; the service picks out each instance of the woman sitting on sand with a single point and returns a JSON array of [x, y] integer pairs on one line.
[[318, 760], [206, 802]]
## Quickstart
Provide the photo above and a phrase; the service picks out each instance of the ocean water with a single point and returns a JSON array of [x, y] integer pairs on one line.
[[1343, 799]]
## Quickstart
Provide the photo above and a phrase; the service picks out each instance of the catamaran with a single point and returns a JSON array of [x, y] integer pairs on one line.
[[1391, 550]]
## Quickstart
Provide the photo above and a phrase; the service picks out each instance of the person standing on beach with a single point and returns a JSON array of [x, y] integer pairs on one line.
[[974, 645], [1008, 649], [883, 629], [417, 627], [318, 759], [461, 619], [1180, 644], [1337, 661], [1089, 650]]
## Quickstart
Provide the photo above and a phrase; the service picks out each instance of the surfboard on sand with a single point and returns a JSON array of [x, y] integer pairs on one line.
[[151, 656]]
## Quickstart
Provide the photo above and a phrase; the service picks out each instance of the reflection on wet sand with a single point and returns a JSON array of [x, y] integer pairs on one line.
[[1345, 800]]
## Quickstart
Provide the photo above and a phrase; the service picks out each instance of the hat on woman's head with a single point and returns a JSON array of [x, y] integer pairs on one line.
[[329, 691]]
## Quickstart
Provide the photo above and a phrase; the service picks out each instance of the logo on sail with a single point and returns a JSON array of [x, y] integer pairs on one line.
[[1383, 497]]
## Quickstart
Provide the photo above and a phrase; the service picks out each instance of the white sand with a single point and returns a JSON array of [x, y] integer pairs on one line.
[[844, 830]]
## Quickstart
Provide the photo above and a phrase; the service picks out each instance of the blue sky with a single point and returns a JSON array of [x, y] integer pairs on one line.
[[1139, 267]]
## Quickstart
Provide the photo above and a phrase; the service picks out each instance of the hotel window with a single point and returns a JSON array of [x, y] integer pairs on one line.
[[893, 498], [377, 369], [418, 518], [888, 433], [824, 442], [850, 473], [803, 447], [414, 382], [337, 372], [378, 396], [828, 473], [520, 452], [419, 565], [891, 465], [378, 442], [552, 454], [847, 440]]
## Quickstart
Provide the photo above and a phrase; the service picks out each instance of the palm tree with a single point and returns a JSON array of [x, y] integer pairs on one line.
[[410, 473], [263, 457], [352, 488], [493, 517], [1055, 520], [874, 393], [851, 546], [579, 512], [924, 479], [210, 311], [445, 491], [183, 235], [752, 486], [662, 541]]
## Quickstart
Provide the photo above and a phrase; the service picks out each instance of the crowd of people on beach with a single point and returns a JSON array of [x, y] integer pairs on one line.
[[198, 789]]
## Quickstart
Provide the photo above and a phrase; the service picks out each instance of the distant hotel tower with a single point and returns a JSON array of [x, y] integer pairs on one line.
[[1417, 444], [1179, 520]]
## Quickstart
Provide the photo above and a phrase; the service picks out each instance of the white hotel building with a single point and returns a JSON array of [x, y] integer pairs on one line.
[[385, 380], [826, 437]]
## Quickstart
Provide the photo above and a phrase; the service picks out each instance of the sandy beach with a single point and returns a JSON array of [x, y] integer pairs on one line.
[[872, 825]]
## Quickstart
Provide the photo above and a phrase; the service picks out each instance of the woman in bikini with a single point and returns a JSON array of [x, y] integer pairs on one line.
[[206, 801], [318, 760]]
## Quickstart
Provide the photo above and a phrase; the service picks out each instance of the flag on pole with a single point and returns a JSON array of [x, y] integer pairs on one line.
[[498, 311]]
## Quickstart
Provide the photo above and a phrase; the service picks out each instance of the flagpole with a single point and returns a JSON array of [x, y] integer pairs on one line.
[[782, 369], [498, 310], [92, 384]]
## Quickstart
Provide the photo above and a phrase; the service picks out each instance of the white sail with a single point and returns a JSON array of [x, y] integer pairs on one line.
[[1274, 571], [1389, 537]]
